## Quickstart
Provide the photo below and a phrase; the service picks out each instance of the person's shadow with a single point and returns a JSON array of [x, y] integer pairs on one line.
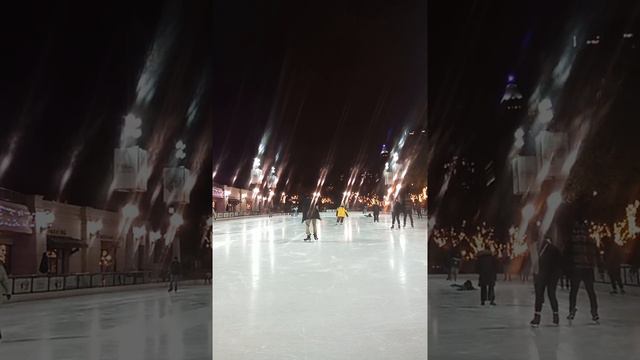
[[546, 340]]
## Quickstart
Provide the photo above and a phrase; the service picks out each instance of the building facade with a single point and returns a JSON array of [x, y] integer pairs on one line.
[[39, 236]]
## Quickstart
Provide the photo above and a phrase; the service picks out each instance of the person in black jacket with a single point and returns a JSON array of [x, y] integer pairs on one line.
[[407, 209], [310, 217], [487, 267], [5, 288], [583, 256], [549, 269], [376, 212], [613, 260], [419, 210], [454, 260], [395, 213], [174, 274]]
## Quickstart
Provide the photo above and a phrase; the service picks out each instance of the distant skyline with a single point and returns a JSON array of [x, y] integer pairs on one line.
[[524, 40]]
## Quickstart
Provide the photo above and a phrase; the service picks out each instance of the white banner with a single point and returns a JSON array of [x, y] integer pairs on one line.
[[130, 169], [175, 185], [552, 148], [525, 173], [15, 218]]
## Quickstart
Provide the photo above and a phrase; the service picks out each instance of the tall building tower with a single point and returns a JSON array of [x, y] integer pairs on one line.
[[512, 99]]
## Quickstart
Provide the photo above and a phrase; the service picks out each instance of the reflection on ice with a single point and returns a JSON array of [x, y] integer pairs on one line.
[[138, 324], [278, 297]]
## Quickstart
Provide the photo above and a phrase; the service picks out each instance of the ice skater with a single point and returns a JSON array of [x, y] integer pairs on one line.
[[376, 212], [341, 213], [310, 217], [506, 265], [487, 267], [613, 259], [395, 213], [174, 274], [454, 264], [466, 286], [525, 267], [5, 289], [407, 209], [547, 272], [419, 210], [583, 255]]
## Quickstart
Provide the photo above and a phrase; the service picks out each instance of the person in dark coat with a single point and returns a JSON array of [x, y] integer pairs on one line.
[[174, 274], [583, 256], [506, 265], [454, 263], [487, 267], [44, 263], [613, 260], [376, 212], [419, 210], [397, 208], [310, 217], [407, 209], [5, 288], [546, 277]]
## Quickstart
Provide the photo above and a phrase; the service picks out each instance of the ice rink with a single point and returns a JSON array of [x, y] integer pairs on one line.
[[135, 324], [357, 293], [459, 328]]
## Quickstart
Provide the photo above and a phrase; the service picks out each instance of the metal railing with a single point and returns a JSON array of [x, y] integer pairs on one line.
[[231, 214], [29, 284], [629, 277]]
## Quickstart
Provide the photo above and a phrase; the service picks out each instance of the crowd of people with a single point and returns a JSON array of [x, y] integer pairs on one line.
[[402, 205], [564, 254]]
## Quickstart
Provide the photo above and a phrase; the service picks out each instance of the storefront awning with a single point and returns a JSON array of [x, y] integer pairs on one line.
[[62, 242]]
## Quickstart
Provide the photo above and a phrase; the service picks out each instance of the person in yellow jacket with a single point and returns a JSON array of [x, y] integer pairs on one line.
[[341, 213]]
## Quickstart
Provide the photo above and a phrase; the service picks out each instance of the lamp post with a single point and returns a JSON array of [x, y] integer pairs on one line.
[[131, 170], [176, 178]]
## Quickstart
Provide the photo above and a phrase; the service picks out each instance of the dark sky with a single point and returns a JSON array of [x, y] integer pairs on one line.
[[328, 82], [69, 75], [475, 45]]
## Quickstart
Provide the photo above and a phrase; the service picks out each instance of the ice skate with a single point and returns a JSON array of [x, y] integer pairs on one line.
[[556, 319], [571, 316], [536, 320]]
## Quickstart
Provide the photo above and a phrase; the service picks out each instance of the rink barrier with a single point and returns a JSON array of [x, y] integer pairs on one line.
[[32, 284], [629, 277], [229, 215]]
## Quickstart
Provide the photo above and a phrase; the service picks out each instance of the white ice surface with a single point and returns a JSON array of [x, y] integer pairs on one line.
[[357, 293], [127, 325], [459, 328]]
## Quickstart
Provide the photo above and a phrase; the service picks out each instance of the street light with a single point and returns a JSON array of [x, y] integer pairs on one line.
[[527, 213], [176, 220], [130, 211], [155, 236], [139, 232]]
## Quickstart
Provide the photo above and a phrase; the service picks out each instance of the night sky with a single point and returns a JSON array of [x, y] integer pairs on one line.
[[69, 75], [320, 83], [474, 46]]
